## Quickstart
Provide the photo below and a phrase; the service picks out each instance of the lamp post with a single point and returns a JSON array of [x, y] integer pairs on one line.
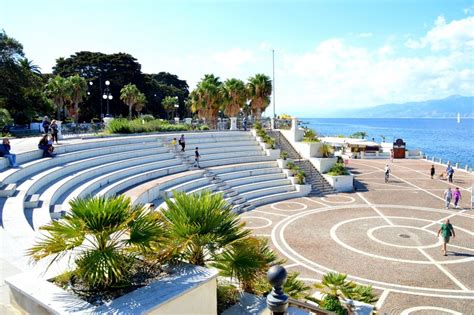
[[107, 95]]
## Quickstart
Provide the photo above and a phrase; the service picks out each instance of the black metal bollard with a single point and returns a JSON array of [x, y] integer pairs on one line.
[[277, 301]]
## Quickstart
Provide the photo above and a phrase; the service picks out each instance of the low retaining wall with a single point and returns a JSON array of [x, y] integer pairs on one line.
[[342, 183], [188, 289]]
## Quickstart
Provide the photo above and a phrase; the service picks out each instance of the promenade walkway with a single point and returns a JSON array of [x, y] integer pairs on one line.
[[383, 235]]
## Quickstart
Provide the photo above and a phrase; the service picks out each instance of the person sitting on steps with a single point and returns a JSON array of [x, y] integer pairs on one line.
[[46, 145], [5, 152]]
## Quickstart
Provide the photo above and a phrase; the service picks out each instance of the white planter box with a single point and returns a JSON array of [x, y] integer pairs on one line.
[[282, 163], [341, 183], [323, 165], [188, 289], [303, 189], [273, 153]]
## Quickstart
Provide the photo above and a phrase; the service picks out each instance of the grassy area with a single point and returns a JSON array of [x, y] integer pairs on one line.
[[122, 125]]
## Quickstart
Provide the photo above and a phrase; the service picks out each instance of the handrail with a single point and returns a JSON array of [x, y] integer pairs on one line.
[[308, 307]]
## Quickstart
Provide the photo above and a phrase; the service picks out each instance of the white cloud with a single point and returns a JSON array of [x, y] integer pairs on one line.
[[365, 35], [458, 34], [469, 10]]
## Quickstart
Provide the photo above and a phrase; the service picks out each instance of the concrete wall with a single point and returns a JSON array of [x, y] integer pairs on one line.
[[305, 149], [343, 183], [323, 165]]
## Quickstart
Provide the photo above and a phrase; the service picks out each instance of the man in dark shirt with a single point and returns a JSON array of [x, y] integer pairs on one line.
[[5, 152], [197, 156]]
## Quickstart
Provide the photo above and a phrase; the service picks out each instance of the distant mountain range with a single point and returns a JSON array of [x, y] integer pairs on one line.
[[444, 108]]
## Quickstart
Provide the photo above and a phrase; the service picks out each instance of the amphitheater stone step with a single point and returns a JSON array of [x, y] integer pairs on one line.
[[32, 201], [7, 190]]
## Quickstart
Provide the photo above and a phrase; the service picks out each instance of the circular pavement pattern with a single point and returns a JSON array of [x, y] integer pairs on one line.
[[289, 206], [377, 239], [254, 222], [429, 310], [339, 199]]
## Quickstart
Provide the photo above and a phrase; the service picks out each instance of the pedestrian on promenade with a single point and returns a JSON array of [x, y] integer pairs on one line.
[[197, 156], [432, 171], [450, 172], [387, 173], [182, 143], [244, 123], [45, 124], [457, 197], [5, 152], [446, 230], [54, 130], [448, 195], [391, 155]]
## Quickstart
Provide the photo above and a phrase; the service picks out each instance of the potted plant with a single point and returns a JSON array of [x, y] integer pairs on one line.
[[300, 177], [290, 165], [282, 161]]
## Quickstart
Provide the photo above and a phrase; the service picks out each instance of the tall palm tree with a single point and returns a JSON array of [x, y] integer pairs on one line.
[[169, 103], [129, 94], [246, 260], [78, 92], [201, 225], [105, 236], [235, 96], [29, 67], [207, 98], [141, 102], [259, 89], [59, 90]]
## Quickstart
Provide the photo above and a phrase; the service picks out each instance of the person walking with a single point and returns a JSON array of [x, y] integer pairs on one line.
[[432, 171], [457, 197], [446, 230], [5, 152], [448, 195], [45, 124], [244, 123], [387, 173], [197, 156], [450, 172], [54, 130], [391, 155], [182, 143], [174, 143]]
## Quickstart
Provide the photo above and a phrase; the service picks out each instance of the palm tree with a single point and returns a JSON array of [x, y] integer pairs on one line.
[[259, 89], [207, 98], [335, 284], [105, 236], [79, 90], [246, 260], [129, 94], [29, 67], [169, 103], [59, 90], [141, 102], [201, 225], [235, 96]]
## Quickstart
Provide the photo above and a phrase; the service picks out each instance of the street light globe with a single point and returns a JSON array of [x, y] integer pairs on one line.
[[104, 97], [88, 93], [110, 96], [107, 82], [91, 83]]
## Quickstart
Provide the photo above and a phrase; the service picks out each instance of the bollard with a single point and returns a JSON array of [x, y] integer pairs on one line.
[[457, 165], [277, 301]]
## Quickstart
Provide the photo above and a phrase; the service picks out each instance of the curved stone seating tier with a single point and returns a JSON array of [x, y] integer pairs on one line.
[[265, 199], [14, 175], [261, 184]]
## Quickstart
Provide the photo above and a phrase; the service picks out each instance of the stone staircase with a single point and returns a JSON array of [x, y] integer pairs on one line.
[[319, 184]]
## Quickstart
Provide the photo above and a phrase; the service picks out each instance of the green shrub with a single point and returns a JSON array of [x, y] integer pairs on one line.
[[257, 125], [148, 118], [5, 118], [338, 169], [283, 155], [204, 127], [293, 286], [261, 133], [333, 304], [291, 165], [310, 136], [122, 125], [227, 295]]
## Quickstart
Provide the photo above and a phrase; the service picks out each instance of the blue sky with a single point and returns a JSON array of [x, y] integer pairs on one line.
[[329, 55]]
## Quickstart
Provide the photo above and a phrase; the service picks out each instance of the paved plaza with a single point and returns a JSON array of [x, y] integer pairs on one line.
[[383, 235]]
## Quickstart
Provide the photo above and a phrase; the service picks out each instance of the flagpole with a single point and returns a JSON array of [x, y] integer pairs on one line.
[[273, 59]]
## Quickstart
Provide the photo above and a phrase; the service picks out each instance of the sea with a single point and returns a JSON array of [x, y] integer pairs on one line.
[[444, 139]]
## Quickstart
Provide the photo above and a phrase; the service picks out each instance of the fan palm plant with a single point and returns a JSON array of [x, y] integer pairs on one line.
[[130, 95], [235, 96], [259, 89], [336, 285], [29, 67], [326, 150], [78, 92], [141, 102], [106, 235], [168, 105], [59, 90], [246, 260], [201, 225], [207, 98]]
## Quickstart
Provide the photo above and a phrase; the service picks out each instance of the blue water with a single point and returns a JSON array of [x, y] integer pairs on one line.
[[442, 138]]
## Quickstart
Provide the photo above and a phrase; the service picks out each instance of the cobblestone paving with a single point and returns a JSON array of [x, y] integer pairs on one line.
[[383, 235]]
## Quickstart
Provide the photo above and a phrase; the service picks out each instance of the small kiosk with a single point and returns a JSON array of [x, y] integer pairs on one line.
[[399, 149]]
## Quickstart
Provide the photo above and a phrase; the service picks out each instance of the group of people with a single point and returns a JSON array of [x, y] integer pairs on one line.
[[51, 128], [448, 174], [182, 143], [452, 195]]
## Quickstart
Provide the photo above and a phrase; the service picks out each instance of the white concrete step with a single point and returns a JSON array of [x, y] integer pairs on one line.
[[7, 190], [267, 191], [32, 201], [255, 178], [235, 160], [260, 185], [262, 200], [186, 186], [219, 149], [247, 169]]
